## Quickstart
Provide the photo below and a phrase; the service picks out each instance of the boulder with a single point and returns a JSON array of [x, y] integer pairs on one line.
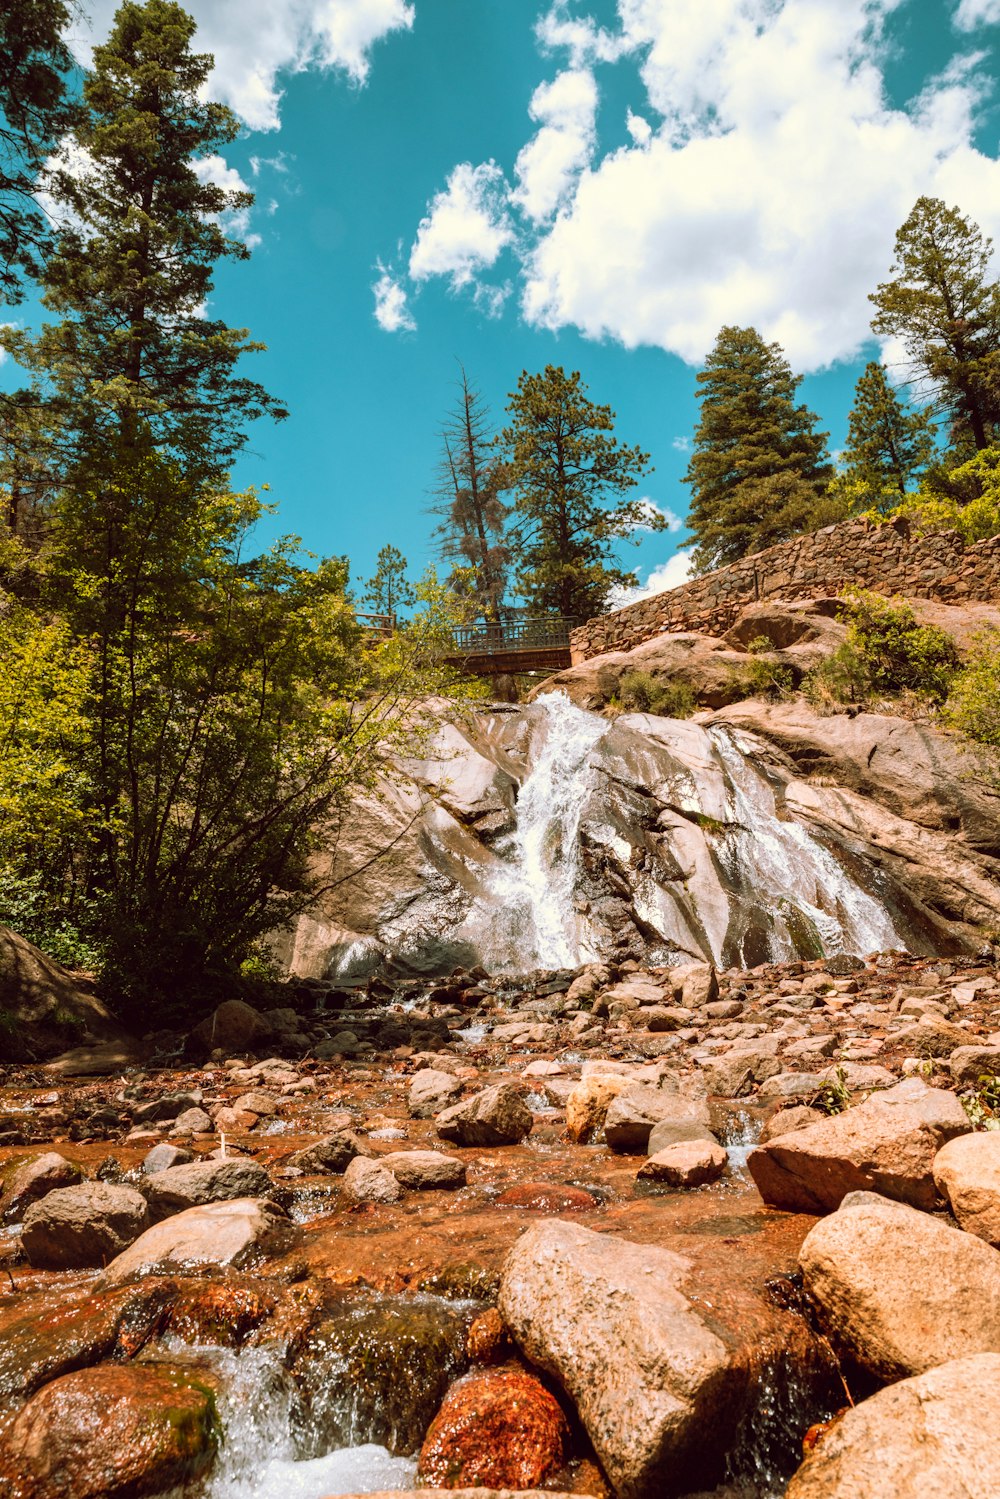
[[898, 1290], [497, 1116], [886, 1144], [33, 1180], [119, 1431], [588, 1104], [47, 1007], [181, 1187], [162, 1157], [653, 1383], [675, 1132], [192, 1122], [76, 1228], [220, 1233], [688, 1163], [968, 1064], [425, 1170], [799, 1116], [632, 1115], [694, 985], [431, 1091], [967, 1173], [333, 1153], [235, 1028], [932, 1435], [499, 1428], [366, 1180]]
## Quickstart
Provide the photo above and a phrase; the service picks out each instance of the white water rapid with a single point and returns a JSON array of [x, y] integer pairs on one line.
[[530, 920]]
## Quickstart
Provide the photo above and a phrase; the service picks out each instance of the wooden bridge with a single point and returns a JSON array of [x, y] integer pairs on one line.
[[512, 646]]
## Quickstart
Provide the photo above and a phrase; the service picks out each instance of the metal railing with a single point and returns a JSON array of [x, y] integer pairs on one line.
[[517, 634]]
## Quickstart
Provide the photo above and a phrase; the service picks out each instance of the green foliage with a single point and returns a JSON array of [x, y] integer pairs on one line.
[[642, 692], [761, 676], [973, 706], [887, 652], [943, 303], [566, 470], [982, 1103], [887, 445], [387, 591], [965, 498], [834, 1097], [758, 471]]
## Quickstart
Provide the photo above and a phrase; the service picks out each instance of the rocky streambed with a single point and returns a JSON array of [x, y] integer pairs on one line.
[[617, 1229]]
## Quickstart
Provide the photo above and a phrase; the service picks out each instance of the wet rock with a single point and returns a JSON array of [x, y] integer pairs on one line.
[[689, 1163], [333, 1153], [488, 1341], [377, 1371], [425, 1170], [547, 1197], [33, 1180], [588, 1104], [264, 1105], [235, 1028], [499, 1428], [431, 1091], [200, 1182], [674, 1131], [886, 1144], [167, 1106], [220, 1233], [75, 1228], [934, 1434], [114, 1432], [367, 1180], [51, 1333], [632, 1115], [497, 1116], [967, 1173], [899, 1290], [192, 1122], [162, 1157], [654, 1385]]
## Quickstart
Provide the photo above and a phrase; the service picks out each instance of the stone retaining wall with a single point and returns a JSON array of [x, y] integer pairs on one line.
[[886, 558]]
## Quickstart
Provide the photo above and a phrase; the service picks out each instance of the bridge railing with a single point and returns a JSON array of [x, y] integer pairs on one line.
[[376, 626], [518, 634]]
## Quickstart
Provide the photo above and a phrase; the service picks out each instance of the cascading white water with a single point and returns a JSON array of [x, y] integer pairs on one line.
[[530, 920], [789, 869]]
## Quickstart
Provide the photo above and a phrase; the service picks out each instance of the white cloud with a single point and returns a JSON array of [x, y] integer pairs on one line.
[[681, 444], [973, 13], [391, 310], [466, 228], [585, 41], [639, 128], [657, 513], [254, 42], [547, 167], [669, 574], [216, 169]]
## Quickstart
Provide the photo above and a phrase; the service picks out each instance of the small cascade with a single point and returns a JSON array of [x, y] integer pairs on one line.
[[788, 873], [530, 920]]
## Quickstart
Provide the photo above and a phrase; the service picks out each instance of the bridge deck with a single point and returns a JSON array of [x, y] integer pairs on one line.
[[499, 663]]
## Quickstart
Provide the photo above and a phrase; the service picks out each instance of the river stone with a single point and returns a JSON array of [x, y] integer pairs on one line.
[[181, 1187], [219, 1233], [496, 1426], [886, 1144], [654, 1385], [799, 1116], [899, 1290], [688, 1163], [162, 1157], [588, 1104], [694, 985], [234, 1028], [33, 1180], [115, 1432], [424, 1170], [497, 1116], [967, 1173], [970, 1063], [366, 1180], [632, 1115], [674, 1131], [431, 1091], [931, 1037], [77, 1228], [333, 1153], [192, 1122], [930, 1437]]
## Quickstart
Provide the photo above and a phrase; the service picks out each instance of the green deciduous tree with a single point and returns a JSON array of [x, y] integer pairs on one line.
[[471, 486], [569, 475], [887, 444], [943, 303], [33, 63], [759, 469]]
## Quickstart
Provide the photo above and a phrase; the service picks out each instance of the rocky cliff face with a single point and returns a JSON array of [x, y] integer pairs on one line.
[[545, 836]]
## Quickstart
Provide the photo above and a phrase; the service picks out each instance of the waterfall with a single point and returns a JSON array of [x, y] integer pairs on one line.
[[787, 872], [529, 918]]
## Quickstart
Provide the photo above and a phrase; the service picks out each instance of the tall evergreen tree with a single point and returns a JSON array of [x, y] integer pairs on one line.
[[567, 471], [388, 591], [944, 305], [887, 445], [472, 483], [759, 469], [34, 60]]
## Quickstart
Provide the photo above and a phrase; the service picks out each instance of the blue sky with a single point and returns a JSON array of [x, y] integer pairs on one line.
[[601, 185]]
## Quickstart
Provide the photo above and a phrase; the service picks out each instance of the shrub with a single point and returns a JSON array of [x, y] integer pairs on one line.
[[973, 705], [761, 677], [887, 652], [642, 692]]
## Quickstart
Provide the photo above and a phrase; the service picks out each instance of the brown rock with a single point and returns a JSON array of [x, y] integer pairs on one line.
[[200, 1182], [235, 1028], [689, 1163], [799, 1116], [497, 1116], [547, 1197], [633, 1114], [431, 1091], [76, 1228], [367, 1180], [33, 1180], [968, 1064], [967, 1173], [220, 1233], [425, 1170], [588, 1104], [498, 1428], [488, 1342]]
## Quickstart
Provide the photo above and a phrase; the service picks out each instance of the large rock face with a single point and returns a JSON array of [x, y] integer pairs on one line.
[[886, 1144], [899, 1290], [44, 1007], [934, 1435]]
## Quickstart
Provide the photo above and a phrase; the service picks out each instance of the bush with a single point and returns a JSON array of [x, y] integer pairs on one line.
[[761, 677], [973, 705], [641, 692], [887, 652]]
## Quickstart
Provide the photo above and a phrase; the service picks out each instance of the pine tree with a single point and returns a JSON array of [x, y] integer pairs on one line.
[[566, 470], [759, 469], [33, 62], [471, 485], [887, 445], [387, 591], [945, 307]]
